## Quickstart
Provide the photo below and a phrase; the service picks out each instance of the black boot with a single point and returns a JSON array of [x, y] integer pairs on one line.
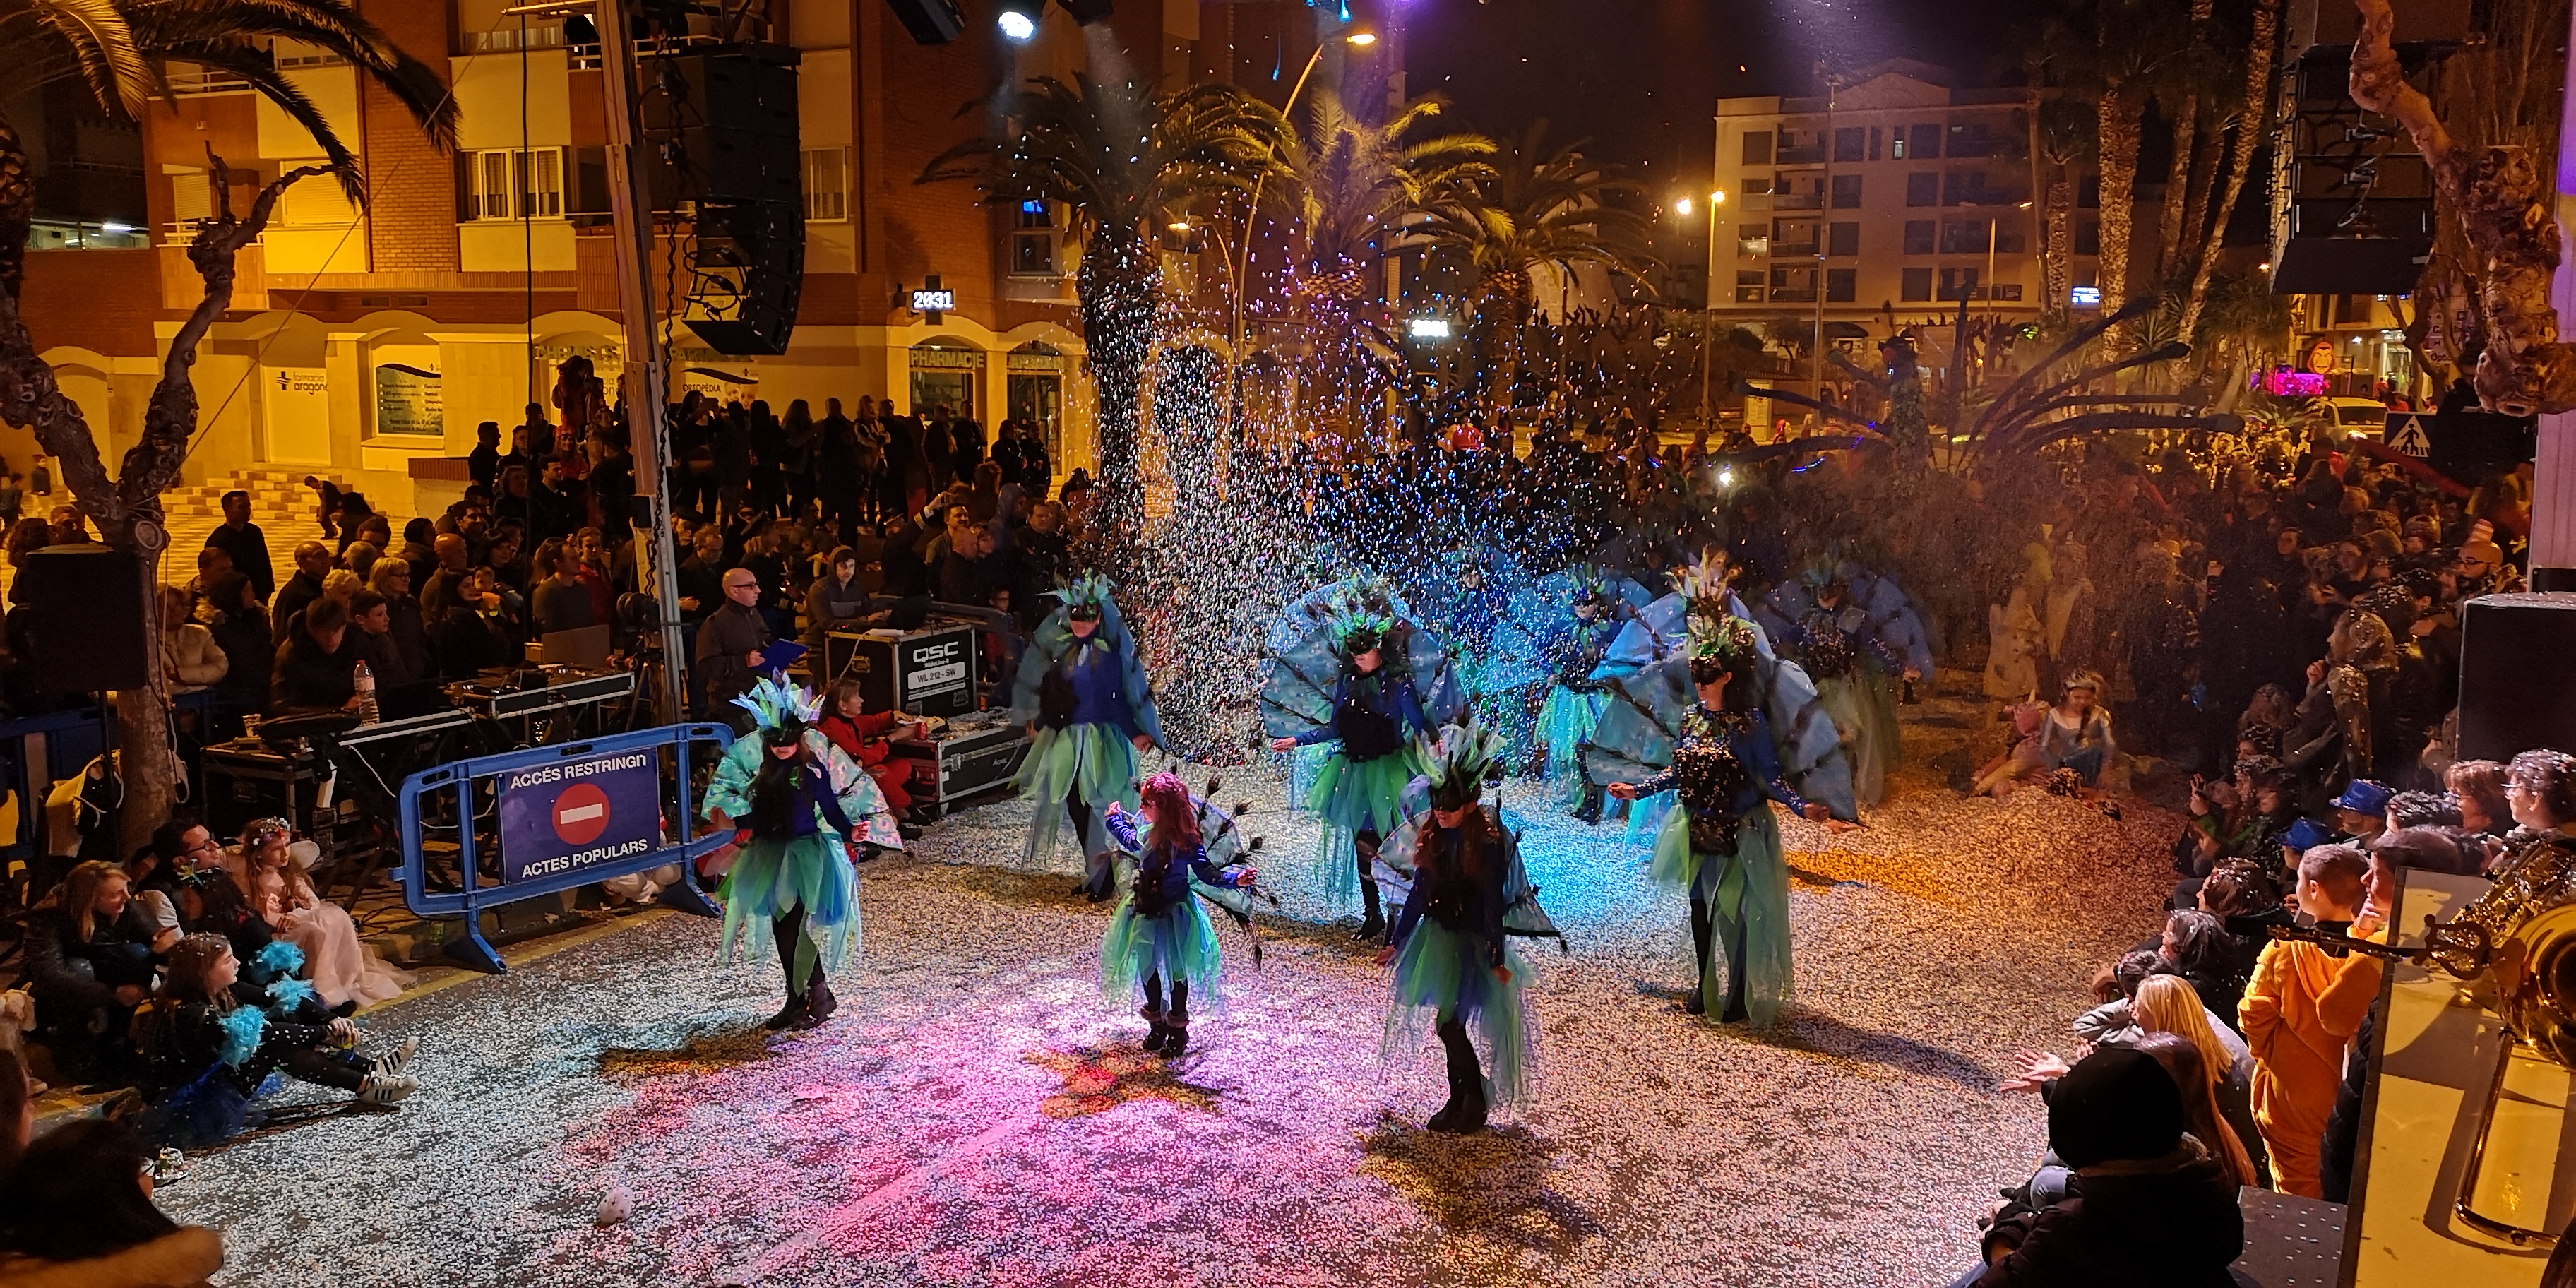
[[788, 932], [1588, 812], [1692, 1002], [789, 1015], [1176, 1032], [1373, 918], [1465, 1112], [819, 1002], [1158, 1032]]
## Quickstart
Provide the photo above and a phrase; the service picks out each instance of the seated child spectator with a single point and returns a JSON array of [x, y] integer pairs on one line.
[[2300, 1011], [212, 1038], [2147, 1207], [863, 734]]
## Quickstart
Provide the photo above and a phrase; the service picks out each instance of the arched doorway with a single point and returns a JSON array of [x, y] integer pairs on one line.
[[947, 370], [1036, 394]]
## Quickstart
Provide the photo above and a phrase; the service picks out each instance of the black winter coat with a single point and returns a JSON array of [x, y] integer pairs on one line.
[[2171, 1223]]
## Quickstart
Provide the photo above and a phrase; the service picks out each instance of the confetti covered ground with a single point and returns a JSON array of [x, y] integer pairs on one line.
[[978, 1115]]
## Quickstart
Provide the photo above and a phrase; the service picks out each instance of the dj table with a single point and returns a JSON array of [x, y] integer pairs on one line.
[[547, 703]]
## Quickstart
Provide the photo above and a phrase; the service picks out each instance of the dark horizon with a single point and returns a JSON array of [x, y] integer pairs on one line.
[[1641, 78]]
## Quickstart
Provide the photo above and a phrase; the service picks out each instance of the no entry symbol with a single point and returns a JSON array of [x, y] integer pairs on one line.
[[581, 814]]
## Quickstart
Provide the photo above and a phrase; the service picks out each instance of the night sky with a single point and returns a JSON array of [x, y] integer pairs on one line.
[[1642, 77]]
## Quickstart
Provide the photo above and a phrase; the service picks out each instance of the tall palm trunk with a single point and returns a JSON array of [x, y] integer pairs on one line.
[[2171, 226], [1117, 283], [2057, 246], [2169, 212], [17, 209], [2116, 125], [2254, 121], [127, 508]]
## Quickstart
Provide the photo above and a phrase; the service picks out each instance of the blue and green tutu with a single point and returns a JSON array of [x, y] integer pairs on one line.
[[1747, 893], [1565, 722], [1441, 974], [773, 875], [1863, 707], [1354, 796], [1095, 761], [1179, 945]]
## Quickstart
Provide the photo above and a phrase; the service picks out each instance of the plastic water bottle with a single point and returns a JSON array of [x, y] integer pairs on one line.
[[366, 684]]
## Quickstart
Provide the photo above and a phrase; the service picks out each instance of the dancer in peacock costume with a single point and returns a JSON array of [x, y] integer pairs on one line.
[[1692, 724], [1160, 935], [1575, 616], [1347, 666], [1475, 596], [1455, 971], [1082, 693], [1857, 633], [1809, 746], [801, 808]]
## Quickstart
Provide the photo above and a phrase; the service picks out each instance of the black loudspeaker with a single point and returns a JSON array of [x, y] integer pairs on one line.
[[85, 619], [750, 273], [2514, 694], [931, 22], [723, 122]]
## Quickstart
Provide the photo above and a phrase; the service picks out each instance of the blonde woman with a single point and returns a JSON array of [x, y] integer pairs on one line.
[[190, 658], [2169, 1004]]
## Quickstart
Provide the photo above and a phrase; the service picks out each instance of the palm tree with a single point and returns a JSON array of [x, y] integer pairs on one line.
[[120, 52], [1122, 160], [1544, 207], [1353, 186], [2066, 141], [2254, 109]]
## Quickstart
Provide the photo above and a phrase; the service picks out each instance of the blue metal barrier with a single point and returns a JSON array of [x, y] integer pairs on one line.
[[579, 814]]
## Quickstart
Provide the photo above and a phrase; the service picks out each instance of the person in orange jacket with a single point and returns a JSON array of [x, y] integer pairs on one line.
[[2300, 1012], [863, 734]]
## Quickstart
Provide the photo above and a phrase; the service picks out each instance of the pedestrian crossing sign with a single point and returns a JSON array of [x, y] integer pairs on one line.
[[2406, 434]]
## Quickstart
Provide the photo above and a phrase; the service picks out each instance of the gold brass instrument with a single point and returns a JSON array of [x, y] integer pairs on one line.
[[2523, 929]]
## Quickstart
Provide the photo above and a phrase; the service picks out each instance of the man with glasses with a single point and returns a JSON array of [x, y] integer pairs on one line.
[[730, 643]]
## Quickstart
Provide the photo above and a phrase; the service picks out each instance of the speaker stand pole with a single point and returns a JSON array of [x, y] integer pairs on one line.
[[646, 383]]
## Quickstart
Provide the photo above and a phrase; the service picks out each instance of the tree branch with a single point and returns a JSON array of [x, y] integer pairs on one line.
[[170, 419], [2500, 201]]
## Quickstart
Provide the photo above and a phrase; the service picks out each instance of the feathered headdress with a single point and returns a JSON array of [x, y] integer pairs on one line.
[[1704, 587], [780, 707], [1462, 764], [1085, 597], [1725, 639], [1359, 619], [1591, 586]]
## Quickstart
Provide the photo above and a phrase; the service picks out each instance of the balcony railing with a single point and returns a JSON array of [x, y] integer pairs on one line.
[[1798, 201]]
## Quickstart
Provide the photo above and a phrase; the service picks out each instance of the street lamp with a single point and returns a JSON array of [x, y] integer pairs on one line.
[[1708, 296], [1243, 263]]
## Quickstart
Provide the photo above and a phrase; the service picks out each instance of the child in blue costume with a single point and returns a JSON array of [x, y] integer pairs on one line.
[[1575, 700], [1723, 845], [1160, 933], [1453, 961], [1083, 695], [1857, 634], [1360, 789], [800, 806]]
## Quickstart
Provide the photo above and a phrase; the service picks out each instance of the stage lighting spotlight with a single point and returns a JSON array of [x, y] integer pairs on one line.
[[1362, 39], [1019, 18], [1087, 12]]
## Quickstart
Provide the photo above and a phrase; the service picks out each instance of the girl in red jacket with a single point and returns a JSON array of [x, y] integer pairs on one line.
[[863, 735]]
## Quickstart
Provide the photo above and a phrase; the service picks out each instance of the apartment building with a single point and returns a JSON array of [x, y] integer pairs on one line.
[[368, 342], [1884, 203]]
